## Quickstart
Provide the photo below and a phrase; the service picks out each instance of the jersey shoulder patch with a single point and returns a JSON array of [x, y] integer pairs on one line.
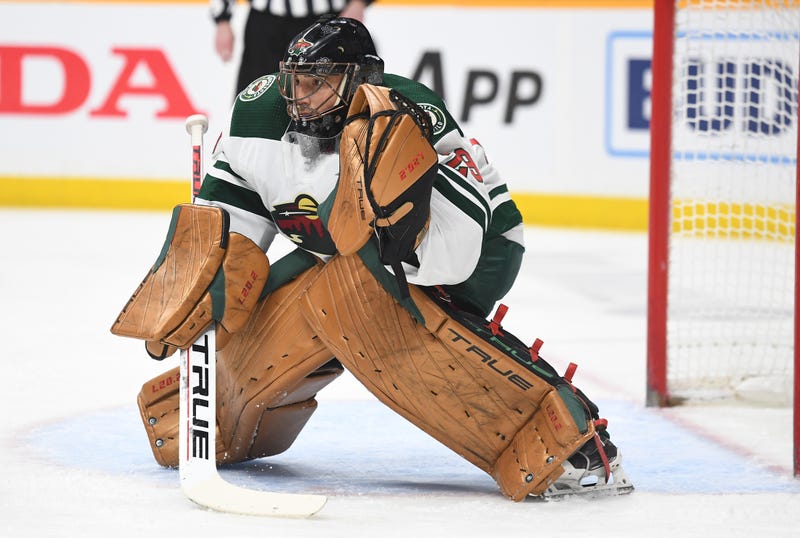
[[428, 100], [257, 88], [260, 111]]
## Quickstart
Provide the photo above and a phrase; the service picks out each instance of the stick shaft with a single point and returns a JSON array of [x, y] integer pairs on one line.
[[199, 478]]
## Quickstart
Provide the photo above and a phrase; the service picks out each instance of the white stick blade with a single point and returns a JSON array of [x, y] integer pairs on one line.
[[216, 494], [200, 480]]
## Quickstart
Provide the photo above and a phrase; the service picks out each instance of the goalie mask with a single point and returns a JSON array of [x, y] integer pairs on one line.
[[321, 70]]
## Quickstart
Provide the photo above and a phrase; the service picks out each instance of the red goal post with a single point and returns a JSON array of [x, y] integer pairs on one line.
[[722, 278]]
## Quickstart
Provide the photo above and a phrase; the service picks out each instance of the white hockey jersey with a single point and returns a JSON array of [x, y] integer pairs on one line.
[[271, 180]]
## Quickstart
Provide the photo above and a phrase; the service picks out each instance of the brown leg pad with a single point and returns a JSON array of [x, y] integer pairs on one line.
[[479, 402], [267, 377], [158, 403], [266, 431], [269, 360], [272, 430]]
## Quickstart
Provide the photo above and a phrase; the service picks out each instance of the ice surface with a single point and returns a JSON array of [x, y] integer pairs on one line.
[[77, 463]]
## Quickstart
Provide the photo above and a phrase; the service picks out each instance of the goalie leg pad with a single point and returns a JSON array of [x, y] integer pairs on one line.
[[273, 429], [267, 377], [159, 404], [267, 361], [481, 403]]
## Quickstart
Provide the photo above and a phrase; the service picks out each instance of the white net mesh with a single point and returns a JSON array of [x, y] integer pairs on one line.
[[734, 160]]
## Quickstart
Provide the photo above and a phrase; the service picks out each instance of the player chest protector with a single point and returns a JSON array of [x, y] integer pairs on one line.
[[470, 385]]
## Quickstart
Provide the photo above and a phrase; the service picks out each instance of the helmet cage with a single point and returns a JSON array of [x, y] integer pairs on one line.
[[322, 74]]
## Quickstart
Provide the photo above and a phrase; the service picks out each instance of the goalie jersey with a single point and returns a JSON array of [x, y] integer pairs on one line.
[[271, 179]]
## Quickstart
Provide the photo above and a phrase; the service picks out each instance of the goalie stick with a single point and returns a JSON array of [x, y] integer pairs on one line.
[[199, 478]]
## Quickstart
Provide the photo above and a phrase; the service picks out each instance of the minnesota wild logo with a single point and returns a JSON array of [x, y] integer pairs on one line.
[[438, 120], [299, 221], [257, 88], [299, 46]]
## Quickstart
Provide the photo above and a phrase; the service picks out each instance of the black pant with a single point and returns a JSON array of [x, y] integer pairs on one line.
[[266, 39]]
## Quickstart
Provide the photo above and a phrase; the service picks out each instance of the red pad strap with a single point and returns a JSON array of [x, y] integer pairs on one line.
[[537, 345], [570, 372], [603, 455], [494, 325]]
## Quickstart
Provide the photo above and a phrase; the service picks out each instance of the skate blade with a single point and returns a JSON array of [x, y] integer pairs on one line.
[[588, 487]]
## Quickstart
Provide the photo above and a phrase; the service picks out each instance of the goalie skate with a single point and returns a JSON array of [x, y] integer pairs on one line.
[[588, 473]]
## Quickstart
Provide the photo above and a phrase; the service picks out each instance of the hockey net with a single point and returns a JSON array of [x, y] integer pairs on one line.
[[724, 144]]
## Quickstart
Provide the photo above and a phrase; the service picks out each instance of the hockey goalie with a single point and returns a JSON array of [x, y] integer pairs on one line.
[[406, 240]]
